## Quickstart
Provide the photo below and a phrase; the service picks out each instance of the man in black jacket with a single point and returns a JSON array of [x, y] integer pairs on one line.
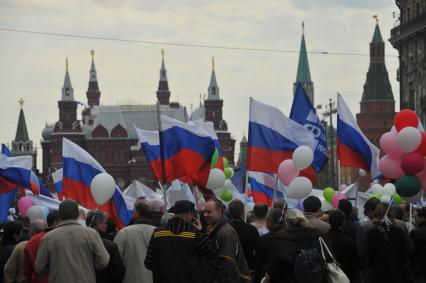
[[247, 233], [177, 250], [114, 272]]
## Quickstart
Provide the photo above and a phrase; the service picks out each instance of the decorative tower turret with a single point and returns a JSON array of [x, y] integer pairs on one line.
[[163, 92], [303, 74]]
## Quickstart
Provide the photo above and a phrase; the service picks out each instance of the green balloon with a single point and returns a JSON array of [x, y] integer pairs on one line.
[[226, 196], [397, 200], [328, 194], [215, 158], [225, 163], [408, 186], [229, 172], [377, 196]]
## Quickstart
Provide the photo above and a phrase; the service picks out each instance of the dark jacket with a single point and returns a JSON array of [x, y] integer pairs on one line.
[[345, 251], [230, 266], [114, 272], [248, 236], [388, 250], [351, 228], [284, 248], [262, 249], [6, 250], [418, 236], [175, 253]]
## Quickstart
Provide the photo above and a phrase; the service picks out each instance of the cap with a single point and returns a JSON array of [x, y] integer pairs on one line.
[[183, 206]]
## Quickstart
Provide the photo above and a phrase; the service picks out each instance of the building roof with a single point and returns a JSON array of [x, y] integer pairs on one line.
[[303, 73], [198, 113], [213, 89], [21, 130], [67, 90], [377, 36]]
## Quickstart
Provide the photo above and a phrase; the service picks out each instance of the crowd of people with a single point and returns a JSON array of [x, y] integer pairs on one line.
[[217, 244]]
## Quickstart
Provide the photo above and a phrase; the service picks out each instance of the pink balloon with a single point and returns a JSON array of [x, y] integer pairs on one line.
[[343, 187], [390, 167], [335, 199], [422, 174], [389, 144], [24, 204], [343, 196], [287, 172]]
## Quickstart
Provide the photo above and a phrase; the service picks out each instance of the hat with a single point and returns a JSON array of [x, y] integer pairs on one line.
[[183, 206], [68, 209]]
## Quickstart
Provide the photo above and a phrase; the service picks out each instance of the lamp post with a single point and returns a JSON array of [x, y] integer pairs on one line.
[[331, 109]]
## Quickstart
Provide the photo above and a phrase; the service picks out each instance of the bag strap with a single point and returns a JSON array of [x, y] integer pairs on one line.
[[324, 245]]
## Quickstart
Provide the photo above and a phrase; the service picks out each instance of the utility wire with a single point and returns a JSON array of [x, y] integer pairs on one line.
[[182, 44]]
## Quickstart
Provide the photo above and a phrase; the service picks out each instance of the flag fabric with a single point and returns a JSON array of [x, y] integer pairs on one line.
[[57, 180], [305, 114], [263, 186], [353, 147], [150, 144], [179, 191], [79, 169], [273, 137], [38, 187], [14, 172], [7, 199], [187, 150]]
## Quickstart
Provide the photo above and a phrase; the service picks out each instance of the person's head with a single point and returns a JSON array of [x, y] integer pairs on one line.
[[97, 220], [370, 206], [295, 218], [345, 206], [419, 215], [141, 210], [53, 218], [405, 211], [336, 219], [213, 211], [276, 218], [236, 209], [312, 204], [184, 209], [157, 207], [280, 204], [399, 213], [12, 232], [382, 210], [68, 210], [38, 226], [260, 210]]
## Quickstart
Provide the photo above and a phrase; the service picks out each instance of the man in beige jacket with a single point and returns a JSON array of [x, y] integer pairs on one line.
[[312, 207], [133, 242], [71, 252]]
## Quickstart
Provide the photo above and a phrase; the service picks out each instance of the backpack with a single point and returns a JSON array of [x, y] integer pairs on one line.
[[309, 266]]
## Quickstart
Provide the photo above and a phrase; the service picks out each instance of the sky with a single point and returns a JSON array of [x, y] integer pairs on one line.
[[33, 65]]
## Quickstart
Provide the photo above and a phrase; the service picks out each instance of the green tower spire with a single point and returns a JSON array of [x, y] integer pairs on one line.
[[303, 73]]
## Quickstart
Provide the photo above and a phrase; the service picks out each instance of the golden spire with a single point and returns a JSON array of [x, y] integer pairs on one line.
[[162, 54], [303, 27], [212, 63], [66, 63], [21, 102], [92, 52]]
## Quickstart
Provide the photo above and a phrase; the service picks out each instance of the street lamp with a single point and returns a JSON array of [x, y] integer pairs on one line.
[[330, 109]]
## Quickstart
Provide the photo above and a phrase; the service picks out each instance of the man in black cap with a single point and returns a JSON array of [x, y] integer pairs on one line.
[[176, 250], [71, 252]]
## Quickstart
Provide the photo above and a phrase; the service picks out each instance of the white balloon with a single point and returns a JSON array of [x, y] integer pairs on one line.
[[362, 172], [35, 212], [299, 188], [325, 205], [102, 188], [385, 199], [389, 189], [228, 184], [302, 157], [377, 189], [216, 179], [413, 198], [409, 139]]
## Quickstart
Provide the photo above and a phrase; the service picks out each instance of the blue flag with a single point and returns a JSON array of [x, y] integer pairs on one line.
[[8, 199], [305, 114]]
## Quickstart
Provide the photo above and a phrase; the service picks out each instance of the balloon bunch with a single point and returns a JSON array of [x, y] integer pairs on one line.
[[331, 198], [299, 187], [27, 207], [386, 193], [220, 181], [405, 149]]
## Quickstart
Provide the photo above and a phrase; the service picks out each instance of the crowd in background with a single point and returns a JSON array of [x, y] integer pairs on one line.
[[217, 244]]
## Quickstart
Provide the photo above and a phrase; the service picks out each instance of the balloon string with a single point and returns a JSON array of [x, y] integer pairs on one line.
[[93, 216]]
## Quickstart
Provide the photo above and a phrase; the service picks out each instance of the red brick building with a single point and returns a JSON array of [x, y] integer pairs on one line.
[[107, 132]]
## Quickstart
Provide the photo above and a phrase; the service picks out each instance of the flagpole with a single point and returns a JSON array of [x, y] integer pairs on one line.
[[246, 195], [163, 166], [338, 174]]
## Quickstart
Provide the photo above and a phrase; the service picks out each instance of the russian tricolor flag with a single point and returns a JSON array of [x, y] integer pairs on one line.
[[14, 172], [353, 148], [79, 169], [6, 199], [38, 187], [57, 180], [150, 144], [273, 137], [263, 186], [187, 150]]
